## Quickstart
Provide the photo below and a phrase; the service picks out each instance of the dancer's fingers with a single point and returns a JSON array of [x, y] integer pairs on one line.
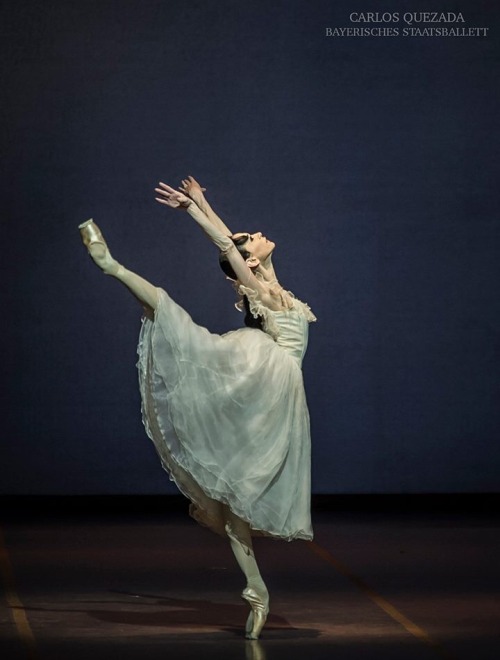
[[166, 187], [193, 181]]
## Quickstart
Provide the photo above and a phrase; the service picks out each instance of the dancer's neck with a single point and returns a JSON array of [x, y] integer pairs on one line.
[[266, 273]]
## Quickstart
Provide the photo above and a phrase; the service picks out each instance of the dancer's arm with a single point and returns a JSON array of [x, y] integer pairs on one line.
[[192, 189], [176, 199], [226, 245]]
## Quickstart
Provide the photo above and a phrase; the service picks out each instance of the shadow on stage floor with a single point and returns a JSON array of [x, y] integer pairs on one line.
[[388, 577]]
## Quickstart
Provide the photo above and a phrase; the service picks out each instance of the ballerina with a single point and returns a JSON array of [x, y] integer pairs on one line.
[[227, 413]]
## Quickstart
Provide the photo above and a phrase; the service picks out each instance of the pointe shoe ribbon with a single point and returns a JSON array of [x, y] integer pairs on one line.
[[258, 615]]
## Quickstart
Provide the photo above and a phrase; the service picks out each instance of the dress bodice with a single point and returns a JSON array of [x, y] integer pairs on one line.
[[293, 332], [288, 327]]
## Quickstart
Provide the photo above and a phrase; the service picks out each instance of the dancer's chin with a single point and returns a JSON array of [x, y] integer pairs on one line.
[[271, 247]]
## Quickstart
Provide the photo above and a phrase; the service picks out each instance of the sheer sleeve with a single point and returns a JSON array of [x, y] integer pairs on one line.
[[200, 199], [221, 240]]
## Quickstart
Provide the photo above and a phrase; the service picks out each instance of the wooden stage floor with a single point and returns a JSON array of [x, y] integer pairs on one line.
[[405, 585]]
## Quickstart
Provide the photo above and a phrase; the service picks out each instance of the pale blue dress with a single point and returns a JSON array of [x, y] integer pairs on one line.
[[228, 415]]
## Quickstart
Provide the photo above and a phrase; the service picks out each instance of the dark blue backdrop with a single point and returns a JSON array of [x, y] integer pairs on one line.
[[372, 162]]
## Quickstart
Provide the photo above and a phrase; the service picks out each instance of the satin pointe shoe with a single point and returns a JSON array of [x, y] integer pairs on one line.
[[258, 615], [97, 247], [249, 623]]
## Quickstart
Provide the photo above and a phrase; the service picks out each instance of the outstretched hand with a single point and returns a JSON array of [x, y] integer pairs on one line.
[[171, 197], [191, 187]]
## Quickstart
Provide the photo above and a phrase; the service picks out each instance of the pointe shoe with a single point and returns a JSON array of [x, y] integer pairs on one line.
[[258, 616], [97, 247], [249, 623]]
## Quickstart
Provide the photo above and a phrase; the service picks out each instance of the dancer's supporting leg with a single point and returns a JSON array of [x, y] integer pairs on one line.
[[143, 290], [256, 593]]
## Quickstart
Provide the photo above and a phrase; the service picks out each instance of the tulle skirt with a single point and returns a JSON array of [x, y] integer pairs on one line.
[[229, 419]]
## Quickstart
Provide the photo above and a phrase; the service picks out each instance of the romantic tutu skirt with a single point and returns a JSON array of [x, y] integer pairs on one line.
[[229, 419]]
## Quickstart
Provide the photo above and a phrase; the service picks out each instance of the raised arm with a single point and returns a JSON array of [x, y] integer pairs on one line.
[[175, 199], [192, 189]]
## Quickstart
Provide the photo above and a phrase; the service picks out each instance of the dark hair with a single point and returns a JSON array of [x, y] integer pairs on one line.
[[249, 320]]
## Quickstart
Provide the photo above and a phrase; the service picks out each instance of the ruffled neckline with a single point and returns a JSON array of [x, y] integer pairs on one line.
[[257, 309]]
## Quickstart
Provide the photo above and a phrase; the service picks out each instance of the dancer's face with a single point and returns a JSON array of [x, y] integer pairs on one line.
[[258, 246]]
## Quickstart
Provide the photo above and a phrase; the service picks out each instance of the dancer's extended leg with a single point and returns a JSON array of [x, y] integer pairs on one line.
[[256, 593], [143, 290]]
